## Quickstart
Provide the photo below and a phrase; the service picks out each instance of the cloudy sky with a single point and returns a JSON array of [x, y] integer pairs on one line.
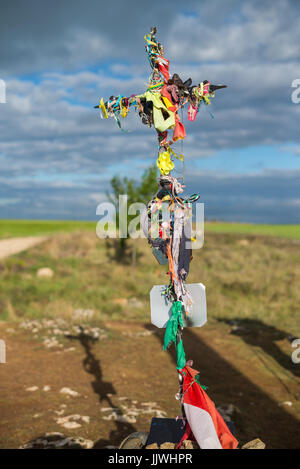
[[58, 58]]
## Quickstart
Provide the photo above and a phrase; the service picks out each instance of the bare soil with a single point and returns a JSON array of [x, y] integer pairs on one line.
[[11, 246], [128, 370]]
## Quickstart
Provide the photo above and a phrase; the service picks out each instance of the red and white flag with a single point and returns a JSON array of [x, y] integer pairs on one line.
[[204, 422]]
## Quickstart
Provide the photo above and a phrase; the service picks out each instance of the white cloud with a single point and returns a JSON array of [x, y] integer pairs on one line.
[[50, 132]]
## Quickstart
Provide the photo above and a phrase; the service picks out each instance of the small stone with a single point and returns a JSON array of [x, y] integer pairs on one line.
[[227, 411], [80, 442], [243, 242], [189, 444], [152, 446], [83, 313], [69, 392], [45, 272], [106, 409], [85, 418], [136, 440], [254, 444], [71, 425], [52, 436], [32, 388], [46, 388], [58, 440], [167, 445], [125, 419], [52, 342], [72, 421]]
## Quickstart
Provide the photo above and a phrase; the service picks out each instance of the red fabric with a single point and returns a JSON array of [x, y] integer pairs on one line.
[[164, 68], [192, 112], [193, 394], [179, 130], [165, 93], [163, 137], [206, 88]]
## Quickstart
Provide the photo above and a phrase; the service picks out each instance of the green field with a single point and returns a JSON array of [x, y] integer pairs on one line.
[[280, 231], [11, 228], [251, 271], [246, 277]]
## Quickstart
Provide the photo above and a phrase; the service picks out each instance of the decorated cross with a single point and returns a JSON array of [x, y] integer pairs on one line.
[[175, 305], [160, 103]]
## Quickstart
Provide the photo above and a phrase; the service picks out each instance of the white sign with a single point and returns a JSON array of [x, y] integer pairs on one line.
[[161, 306]]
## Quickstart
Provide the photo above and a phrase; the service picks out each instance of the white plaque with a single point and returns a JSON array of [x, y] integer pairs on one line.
[[161, 307]]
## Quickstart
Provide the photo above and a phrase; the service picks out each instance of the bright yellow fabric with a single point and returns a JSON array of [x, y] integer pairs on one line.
[[164, 162], [124, 110], [167, 102], [103, 109], [159, 122]]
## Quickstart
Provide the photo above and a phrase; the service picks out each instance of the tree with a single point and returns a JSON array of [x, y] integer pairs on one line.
[[136, 192]]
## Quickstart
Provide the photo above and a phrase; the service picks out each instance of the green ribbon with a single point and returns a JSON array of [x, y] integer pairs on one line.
[[173, 324]]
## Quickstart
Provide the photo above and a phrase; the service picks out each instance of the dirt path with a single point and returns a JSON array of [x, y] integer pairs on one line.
[[11, 246], [124, 379]]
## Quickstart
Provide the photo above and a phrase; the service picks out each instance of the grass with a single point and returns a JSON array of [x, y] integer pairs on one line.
[[11, 228], [280, 231], [246, 278], [249, 279], [15, 228]]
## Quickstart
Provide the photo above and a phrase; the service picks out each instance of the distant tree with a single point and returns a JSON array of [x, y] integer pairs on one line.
[[142, 192]]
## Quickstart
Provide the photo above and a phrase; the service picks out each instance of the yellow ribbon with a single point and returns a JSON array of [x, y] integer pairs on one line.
[[164, 162], [124, 110], [199, 93], [103, 109], [206, 99], [180, 157], [149, 41]]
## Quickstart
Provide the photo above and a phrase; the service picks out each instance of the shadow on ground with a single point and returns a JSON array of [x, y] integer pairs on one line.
[[103, 389], [257, 334], [258, 415]]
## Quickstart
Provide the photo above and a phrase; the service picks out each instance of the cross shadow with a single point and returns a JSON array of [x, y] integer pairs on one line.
[[255, 333], [258, 415], [103, 389]]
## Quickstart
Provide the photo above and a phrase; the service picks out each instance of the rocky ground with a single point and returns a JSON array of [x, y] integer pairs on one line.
[[71, 384], [84, 369]]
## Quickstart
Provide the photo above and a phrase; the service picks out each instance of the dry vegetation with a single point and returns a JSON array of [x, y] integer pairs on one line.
[[254, 278], [243, 352]]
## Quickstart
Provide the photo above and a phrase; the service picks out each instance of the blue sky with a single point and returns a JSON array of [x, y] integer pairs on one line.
[[58, 58]]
